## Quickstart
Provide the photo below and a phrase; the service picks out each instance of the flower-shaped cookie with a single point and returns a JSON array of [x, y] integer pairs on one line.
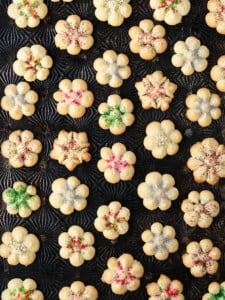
[[203, 107], [27, 13], [216, 16], [74, 34], [207, 161], [200, 209], [116, 163], [76, 245], [158, 191], [19, 246], [165, 288], [32, 63], [190, 56], [123, 274], [116, 114], [162, 138], [112, 11], [217, 74], [159, 241], [73, 97], [216, 291], [112, 68], [21, 149], [71, 149], [69, 195], [156, 91], [201, 258], [22, 199], [170, 11], [19, 100], [112, 220], [147, 39], [78, 291], [22, 289]]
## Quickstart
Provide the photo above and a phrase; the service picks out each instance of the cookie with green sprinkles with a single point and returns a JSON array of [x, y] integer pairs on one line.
[[216, 291]]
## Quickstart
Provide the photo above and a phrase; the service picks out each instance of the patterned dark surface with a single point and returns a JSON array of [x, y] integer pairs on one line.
[[49, 270]]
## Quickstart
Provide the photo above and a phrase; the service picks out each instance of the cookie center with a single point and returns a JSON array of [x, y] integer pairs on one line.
[[76, 244], [162, 139], [21, 294], [73, 35], [72, 97], [18, 247], [123, 275], [117, 163], [220, 13], [170, 4], [27, 9], [33, 64], [155, 90], [201, 258], [23, 150], [167, 293]]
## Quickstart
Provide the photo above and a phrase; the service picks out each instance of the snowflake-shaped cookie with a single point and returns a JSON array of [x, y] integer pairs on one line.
[[217, 74], [159, 241], [78, 291], [203, 107], [165, 288], [19, 100], [76, 245], [19, 246], [116, 163], [162, 138], [216, 291], [147, 39], [201, 258], [21, 199], [112, 68], [170, 11], [207, 161], [156, 91], [27, 13], [112, 11], [112, 220], [71, 149], [74, 34], [158, 191], [116, 114], [22, 289], [216, 16], [21, 149], [190, 56], [200, 209], [73, 97], [32, 63], [69, 195], [123, 274]]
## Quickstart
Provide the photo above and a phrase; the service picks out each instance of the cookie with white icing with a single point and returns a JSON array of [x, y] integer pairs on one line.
[[78, 291], [217, 74], [216, 291], [215, 18]]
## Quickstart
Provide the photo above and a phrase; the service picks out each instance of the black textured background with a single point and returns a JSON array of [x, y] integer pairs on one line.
[[49, 270]]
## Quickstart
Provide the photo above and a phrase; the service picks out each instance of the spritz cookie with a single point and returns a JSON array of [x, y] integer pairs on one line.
[[201, 258], [158, 191], [22, 289], [123, 274], [200, 209], [159, 241], [21, 199], [78, 291], [32, 63], [215, 18], [116, 114], [112, 69], [21, 149], [218, 75], [207, 161], [71, 149], [74, 34], [76, 245], [162, 138], [27, 13], [73, 97], [112, 220], [165, 288], [170, 11], [19, 100], [69, 195], [112, 11], [203, 107], [156, 91], [216, 291], [190, 56], [147, 39], [116, 163], [19, 246]]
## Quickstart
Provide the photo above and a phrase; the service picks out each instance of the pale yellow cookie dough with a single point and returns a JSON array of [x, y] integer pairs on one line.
[[216, 291], [217, 74], [78, 291], [215, 18]]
